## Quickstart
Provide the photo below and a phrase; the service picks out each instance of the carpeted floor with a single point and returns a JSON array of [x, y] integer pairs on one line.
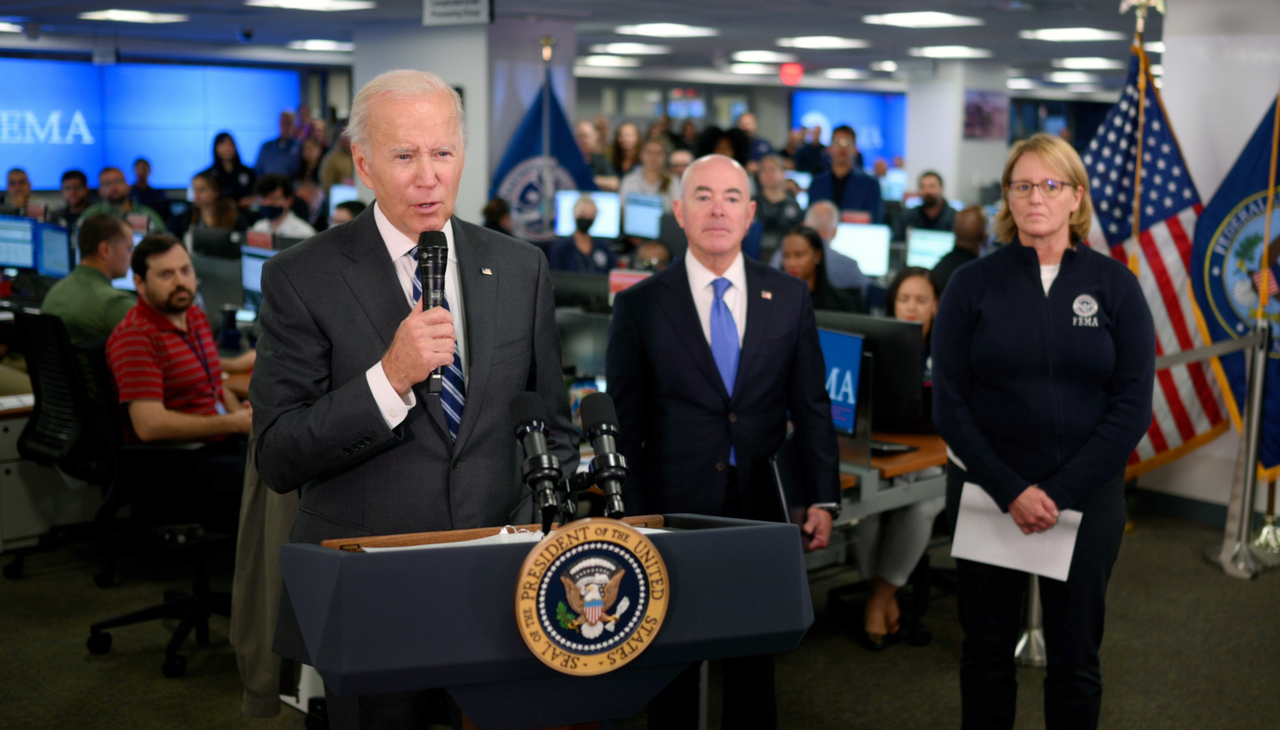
[[1186, 647]]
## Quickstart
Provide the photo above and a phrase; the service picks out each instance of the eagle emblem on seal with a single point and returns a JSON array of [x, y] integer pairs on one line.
[[591, 589]]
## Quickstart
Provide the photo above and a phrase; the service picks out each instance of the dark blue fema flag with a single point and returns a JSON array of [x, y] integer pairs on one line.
[[537, 164], [1230, 254], [1135, 166]]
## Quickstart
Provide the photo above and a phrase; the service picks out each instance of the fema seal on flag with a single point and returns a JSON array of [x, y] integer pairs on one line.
[[591, 597], [1234, 266], [522, 189]]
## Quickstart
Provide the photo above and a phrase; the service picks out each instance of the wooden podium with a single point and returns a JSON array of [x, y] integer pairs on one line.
[[444, 617]]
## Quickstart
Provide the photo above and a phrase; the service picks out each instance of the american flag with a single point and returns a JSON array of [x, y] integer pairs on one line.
[[1187, 404]]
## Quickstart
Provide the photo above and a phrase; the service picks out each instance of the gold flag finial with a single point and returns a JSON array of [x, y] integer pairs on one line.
[[1142, 7], [548, 43]]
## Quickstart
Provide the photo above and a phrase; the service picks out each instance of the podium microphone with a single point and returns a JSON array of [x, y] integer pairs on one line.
[[433, 259], [541, 470], [600, 421]]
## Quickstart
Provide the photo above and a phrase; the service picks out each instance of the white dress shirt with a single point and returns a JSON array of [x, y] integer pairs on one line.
[[292, 226], [393, 407], [704, 293]]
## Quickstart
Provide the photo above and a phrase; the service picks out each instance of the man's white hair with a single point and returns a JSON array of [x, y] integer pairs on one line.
[[400, 84], [822, 216], [583, 203]]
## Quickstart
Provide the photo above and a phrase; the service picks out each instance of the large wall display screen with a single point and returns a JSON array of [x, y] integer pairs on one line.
[[879, 119], [59, 115]]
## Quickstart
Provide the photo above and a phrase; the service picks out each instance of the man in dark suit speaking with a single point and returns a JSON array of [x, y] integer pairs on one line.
[[340, 407], [706, 359]]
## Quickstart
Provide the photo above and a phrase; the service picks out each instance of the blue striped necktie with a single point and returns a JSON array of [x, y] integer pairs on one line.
[[454, 394]]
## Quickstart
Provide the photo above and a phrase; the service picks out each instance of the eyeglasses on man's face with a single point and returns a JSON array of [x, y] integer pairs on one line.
[[1048, 188]]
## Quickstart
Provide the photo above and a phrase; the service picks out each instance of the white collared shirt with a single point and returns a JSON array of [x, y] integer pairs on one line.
[[394, 409], [704, 293]]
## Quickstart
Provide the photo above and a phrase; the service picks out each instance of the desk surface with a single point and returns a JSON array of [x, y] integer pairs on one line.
[[930, 451]]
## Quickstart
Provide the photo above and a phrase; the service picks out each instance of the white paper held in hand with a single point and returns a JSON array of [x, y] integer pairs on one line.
[[984, 534]]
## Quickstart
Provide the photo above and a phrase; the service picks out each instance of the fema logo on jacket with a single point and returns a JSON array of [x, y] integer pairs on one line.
[[1086, 311]]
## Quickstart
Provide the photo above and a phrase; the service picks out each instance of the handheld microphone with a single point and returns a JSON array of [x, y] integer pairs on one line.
[[541, 470], [433, 259], [600, 421]]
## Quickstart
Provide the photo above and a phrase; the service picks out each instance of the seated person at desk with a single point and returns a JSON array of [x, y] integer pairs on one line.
[[118, 201], [776, 208], [844, 273], [650, 177], [890, 545], [275, 198], [209, 209], [934, 212], [17, 191], [345, 212], [169, 377], [580, 252], [802, 258], [85, 300], [75, 193]]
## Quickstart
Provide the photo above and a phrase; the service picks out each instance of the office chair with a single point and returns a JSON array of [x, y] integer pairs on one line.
[[144, 473], [59, 432]]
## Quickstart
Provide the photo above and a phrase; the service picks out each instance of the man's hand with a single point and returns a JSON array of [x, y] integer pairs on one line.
[[1033, 511], [816, 532], [241, 421], [424, 341]]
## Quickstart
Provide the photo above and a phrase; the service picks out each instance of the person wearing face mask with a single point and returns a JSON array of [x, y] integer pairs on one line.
[[580, 252], [933, 213], [890, 545], [275, 197]]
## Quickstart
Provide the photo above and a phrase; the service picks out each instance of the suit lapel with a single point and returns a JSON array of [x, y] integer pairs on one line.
[[681, 313], [480, 302], [759, 312], [372, 277]]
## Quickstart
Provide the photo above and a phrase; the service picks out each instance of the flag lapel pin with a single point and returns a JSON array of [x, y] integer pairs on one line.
[[766, 294], [486, 271]]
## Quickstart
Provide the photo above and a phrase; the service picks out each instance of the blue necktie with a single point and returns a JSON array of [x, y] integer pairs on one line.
[[453, 396], [724, 343]]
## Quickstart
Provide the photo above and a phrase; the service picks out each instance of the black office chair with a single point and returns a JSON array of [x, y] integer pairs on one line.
[[59, 432], [144, 475]]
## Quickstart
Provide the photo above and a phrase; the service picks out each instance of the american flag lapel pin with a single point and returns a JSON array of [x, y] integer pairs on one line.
[[486, 271], [766, 294]]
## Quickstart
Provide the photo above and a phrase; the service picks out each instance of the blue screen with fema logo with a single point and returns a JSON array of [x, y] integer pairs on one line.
[[842, 353], [879, 119], [59, 115]]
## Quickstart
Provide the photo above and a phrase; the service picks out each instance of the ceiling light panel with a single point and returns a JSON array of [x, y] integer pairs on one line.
[[1067, 35], [134, 16], [822, 43], [764, 57], [1071, 77], [323, 45], [1093, 63], [605, 61], [889, 66], [949, 52], [845, 74], [322, 6], [926, 19], [666, 30], [1021, 84], [1154, 47], [630, 49], [752, 69]]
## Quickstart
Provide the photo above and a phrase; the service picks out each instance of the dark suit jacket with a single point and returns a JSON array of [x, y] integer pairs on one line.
[[862, 192], [677, 422], [330, 310]]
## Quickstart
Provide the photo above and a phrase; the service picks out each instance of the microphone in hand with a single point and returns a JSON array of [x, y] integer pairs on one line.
[[433, 259]]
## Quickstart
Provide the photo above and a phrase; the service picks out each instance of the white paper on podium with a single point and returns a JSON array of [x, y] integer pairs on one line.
[[508, 535], [984, 534]]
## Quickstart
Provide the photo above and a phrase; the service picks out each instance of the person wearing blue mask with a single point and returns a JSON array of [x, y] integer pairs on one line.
[[275, 198]]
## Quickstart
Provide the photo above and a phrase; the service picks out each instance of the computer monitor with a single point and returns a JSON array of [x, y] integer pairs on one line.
[[643, 216], [341, 194], [926, 247], [608, 213], [584, 340], [915, 201], [896, 382], [17, 242], [894, 184], [803, 179], [866, 243], [842, 353], [220, 242], [802, 198], [251, 261], [589, 291], [280, 243], [54, 256], [218, 284]]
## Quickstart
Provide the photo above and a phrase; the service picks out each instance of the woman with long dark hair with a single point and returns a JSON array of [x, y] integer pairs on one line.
[[209, 208], [234, 177], [802, 258]]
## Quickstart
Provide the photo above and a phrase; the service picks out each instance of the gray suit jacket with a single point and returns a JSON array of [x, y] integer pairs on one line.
[[330, 310]]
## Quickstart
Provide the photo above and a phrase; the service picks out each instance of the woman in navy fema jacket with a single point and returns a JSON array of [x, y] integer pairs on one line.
[[1043, 364]]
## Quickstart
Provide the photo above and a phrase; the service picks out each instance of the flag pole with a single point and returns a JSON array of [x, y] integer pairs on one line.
[[1141, 21], [548, 175], [1268, 541]]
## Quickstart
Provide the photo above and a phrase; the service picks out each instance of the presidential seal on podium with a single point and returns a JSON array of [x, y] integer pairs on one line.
[[591, 596]]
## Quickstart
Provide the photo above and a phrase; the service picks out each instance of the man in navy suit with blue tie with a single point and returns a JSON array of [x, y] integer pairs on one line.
[[706, 361]]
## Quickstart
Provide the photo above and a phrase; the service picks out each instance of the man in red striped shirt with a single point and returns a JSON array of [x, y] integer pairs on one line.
[[169, 377]]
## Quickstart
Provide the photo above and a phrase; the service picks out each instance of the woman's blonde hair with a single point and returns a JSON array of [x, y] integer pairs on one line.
[[1061, 157]]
